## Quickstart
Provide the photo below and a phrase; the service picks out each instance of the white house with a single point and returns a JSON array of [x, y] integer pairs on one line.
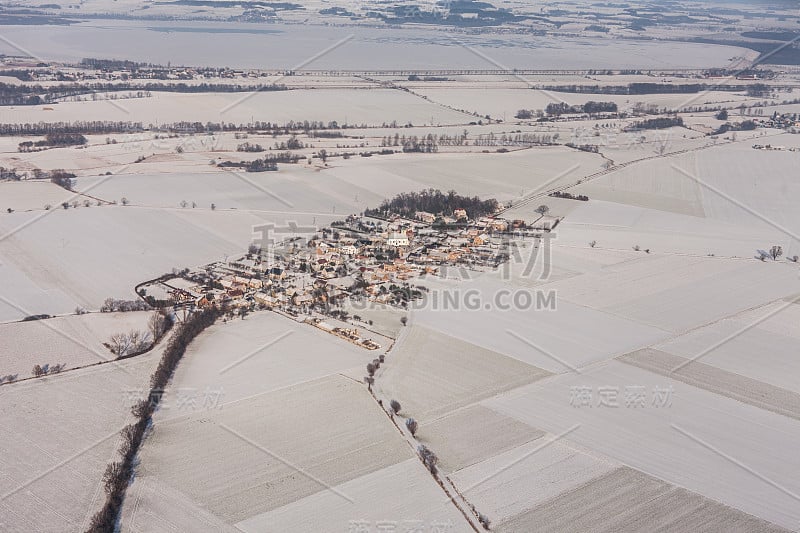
[[397, 239]]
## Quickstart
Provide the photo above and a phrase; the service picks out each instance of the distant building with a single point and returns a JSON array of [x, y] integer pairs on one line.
[[428, 218], [397, 239]]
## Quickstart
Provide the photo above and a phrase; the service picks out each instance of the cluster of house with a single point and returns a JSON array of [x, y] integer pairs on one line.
[[786, 121], [359, 257]]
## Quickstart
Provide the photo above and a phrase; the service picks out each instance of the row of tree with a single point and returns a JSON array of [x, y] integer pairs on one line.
[[118, 473]]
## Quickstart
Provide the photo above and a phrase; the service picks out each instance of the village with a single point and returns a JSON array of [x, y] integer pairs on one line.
[[309, 273]]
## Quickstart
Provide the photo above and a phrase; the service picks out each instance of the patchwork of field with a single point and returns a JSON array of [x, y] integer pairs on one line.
[[249, 457], [471, 435], [730, 183], [570, 336], [73, 341], [731, 452], [59, 433], [627, 500], [422, 375], [760, 344], [512, 482], [698, 374]]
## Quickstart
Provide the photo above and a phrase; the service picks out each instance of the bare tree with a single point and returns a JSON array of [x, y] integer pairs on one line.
[[404, 320], [395, 405], [38, 371], [429, 459], [542, 209], [120, 344], [371, 368], [412, 426], [775, 252], [157, 324]]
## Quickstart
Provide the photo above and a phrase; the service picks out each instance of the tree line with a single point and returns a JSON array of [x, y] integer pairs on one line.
[[434, 201], [118, 473], [12, 94]]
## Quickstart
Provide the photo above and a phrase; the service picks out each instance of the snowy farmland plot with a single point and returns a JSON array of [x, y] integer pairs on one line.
[[72, 341], [59, 433]]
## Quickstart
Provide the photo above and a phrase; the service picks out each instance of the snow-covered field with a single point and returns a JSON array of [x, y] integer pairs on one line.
[[73, 341], [697, 440], [267, 425], [345, 106], [59, 433], [434, 373]]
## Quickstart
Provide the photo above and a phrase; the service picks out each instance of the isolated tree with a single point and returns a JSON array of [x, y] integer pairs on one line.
[[323, 154], [412, 426], [593, 244], [124, 201], [120, 344], [542, 209], [404, 320], [395, 405], [775, 252], [184, 203], [213, 206]]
